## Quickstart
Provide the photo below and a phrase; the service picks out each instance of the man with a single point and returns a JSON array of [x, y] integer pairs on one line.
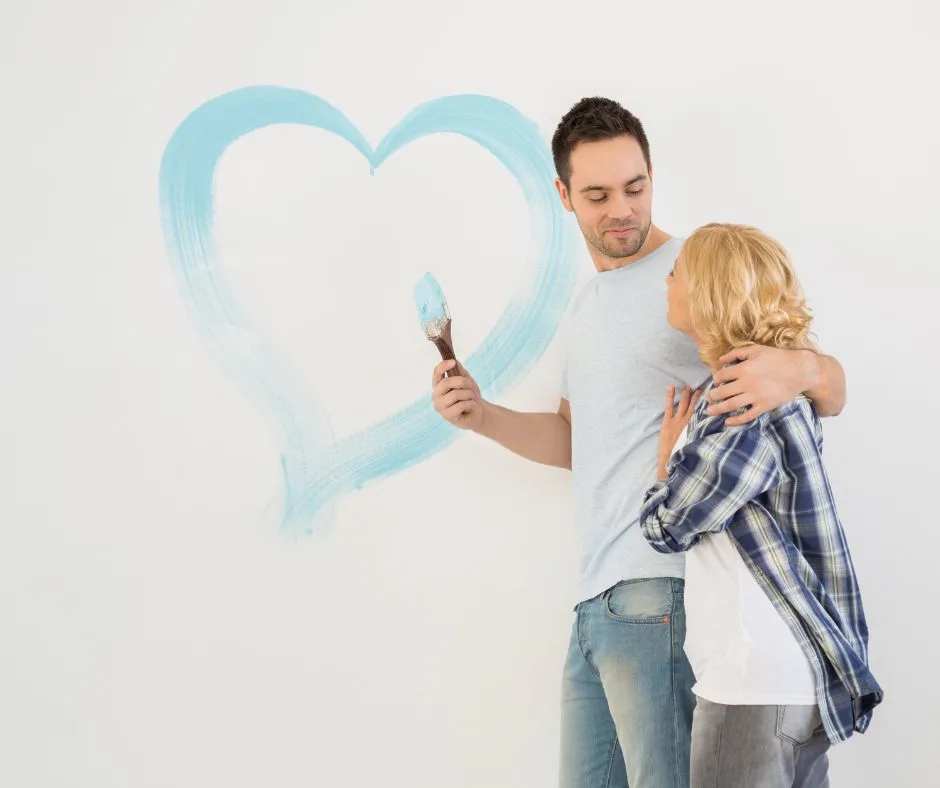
[[626, 697]]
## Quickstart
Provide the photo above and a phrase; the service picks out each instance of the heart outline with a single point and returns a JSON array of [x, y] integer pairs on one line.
[[316, 468]]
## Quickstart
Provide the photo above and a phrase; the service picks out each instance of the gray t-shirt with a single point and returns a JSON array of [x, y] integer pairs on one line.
[[622, 356]]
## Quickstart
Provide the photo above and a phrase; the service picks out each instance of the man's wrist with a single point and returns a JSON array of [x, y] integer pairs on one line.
[[485, 410]]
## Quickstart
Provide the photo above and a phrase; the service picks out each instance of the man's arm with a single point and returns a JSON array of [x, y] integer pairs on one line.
[[827, 378], [541, 437], [768, 377], [709, 479]]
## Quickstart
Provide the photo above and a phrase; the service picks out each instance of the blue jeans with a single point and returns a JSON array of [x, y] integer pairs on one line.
[[627, 697]]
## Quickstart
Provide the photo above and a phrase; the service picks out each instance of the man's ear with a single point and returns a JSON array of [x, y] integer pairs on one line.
[[563, 194]]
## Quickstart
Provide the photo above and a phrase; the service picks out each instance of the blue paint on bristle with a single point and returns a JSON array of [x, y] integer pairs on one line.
[[429, 298]]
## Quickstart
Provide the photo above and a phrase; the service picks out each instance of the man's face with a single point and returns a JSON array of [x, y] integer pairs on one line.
[[611, 195]]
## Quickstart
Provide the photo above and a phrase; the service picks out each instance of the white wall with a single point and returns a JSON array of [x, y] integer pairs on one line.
[[156, 628]]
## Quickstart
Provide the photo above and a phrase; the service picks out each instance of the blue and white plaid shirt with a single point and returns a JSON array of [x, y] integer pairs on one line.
[[765, 484]]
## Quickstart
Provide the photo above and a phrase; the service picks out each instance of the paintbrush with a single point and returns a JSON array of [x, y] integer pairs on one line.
[[435, 317]]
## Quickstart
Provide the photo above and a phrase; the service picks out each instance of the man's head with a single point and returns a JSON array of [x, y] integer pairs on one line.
[[602, 159]]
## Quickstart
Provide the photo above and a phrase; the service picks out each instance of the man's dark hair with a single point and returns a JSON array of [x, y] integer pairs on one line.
[[591, 120]]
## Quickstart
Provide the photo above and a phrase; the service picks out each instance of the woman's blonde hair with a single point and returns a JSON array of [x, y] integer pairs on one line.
[[743, 291]]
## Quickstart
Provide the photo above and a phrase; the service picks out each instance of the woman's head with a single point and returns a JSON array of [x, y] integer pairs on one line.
[[732, 285]]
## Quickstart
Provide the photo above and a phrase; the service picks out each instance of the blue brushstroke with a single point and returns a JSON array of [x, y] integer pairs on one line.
[[429, 298], [318, 469]]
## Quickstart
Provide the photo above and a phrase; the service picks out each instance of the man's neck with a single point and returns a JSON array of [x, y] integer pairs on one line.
[[655, 238]]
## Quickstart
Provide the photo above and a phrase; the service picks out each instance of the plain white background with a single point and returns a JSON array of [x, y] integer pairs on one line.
[[151, 632]]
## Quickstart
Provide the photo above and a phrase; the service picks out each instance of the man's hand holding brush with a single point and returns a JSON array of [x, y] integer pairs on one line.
[[457, 396]]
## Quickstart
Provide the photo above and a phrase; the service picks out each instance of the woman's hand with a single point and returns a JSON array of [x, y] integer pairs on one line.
[[675, 417]]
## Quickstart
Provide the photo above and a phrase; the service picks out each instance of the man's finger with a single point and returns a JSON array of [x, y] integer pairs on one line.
[[670, 401], [460, 409], [449, 384], [454, 396], [684, 399], [438, 374], [738, 354], [745, 418], [730, 389], [729, 405], [726, 374]]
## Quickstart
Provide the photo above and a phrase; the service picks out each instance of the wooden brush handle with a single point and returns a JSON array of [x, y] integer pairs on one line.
[[447, 353], [445, 345]]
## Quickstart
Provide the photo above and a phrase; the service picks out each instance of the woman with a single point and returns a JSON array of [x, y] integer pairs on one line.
[[776, 633]]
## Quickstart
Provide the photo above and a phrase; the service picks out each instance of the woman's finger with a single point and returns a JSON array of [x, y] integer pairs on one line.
[[670, 402]]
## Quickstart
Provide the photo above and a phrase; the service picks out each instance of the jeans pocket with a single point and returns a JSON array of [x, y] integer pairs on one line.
[[797, 724], [646, 601]]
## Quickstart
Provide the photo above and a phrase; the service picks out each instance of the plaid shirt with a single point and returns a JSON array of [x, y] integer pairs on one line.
[[764, 482]]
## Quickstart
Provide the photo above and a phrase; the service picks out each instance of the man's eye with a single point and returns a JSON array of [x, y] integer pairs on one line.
[[597, 199], [635, 193]]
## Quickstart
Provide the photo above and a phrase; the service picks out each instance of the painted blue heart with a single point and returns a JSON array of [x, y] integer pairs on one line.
[[318, 469]]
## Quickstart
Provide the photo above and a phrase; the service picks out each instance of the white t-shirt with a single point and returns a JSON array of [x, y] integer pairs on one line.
[[740, 648], [622, 356]]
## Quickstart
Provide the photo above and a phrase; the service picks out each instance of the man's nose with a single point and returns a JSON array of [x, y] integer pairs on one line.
[[619, 207]]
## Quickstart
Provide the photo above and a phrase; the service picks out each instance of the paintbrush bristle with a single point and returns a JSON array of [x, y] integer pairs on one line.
[[434, 329], [432, 307]]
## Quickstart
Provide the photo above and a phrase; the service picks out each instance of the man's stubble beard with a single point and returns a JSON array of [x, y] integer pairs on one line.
[[617, 251]]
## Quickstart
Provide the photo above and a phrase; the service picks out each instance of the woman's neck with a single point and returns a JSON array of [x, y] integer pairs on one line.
[[714, 367]]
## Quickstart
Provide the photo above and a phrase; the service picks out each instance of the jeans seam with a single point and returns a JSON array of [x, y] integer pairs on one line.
[[675, 683], [721, 733], [584, 652], [782, 735], [642, 620], [610, 761]]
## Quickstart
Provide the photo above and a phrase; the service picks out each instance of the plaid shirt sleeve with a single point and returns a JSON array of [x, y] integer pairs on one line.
[[710, 478]]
